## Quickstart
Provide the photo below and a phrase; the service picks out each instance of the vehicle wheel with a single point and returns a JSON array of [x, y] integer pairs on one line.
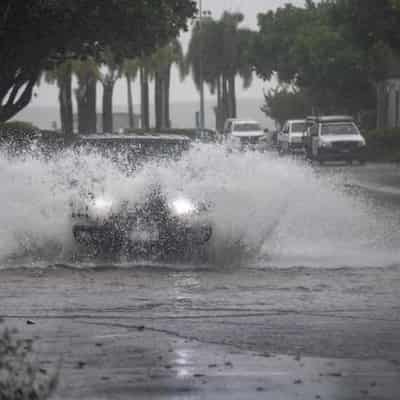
[[350, 162]]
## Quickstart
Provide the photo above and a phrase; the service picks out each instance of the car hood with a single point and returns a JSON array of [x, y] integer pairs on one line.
[[248, 134], [342, 138]]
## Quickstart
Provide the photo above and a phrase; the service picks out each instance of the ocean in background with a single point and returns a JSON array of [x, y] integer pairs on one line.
[[182, 114]]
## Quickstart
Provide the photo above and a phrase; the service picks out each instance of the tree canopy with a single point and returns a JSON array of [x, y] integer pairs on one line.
[[371, 21], [307, 48], [218, 52], [282, 104], [36, 33]]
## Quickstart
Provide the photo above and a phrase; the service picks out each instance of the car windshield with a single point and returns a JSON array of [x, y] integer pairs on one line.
[[339, 129], [250, 140], [299, 127], [246, 127]]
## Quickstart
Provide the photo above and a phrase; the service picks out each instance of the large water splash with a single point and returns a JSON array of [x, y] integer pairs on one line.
[[277, 210]]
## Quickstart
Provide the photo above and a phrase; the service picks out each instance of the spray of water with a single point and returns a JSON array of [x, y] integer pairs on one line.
[[275, 210]]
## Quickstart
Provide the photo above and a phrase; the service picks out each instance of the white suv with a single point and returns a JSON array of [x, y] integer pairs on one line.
[[290, 138]]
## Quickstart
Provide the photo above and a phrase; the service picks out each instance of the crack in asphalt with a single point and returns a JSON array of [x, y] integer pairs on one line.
[[142, 328], [327, 314]]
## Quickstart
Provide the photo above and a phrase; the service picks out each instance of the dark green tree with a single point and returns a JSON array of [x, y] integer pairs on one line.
[[130, 70], [306, 49], [218, 51], [162, 61], [285, 103], [36, 33], [373, 26], [371, 21], [62, 76], [88, 74]]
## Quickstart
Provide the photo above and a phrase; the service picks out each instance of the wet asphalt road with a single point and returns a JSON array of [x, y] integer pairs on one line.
[[254, 331]]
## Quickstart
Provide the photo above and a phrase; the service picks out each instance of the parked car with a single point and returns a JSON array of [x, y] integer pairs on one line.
[[243, 134], [290, 138], [334, 138]]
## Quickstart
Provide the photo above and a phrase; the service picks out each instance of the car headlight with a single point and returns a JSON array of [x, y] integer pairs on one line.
[[183, 206], [361, 143], [325, 144], [101, 206]]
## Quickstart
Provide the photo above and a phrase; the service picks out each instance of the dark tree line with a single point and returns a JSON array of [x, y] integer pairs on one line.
[[38, 35], [337, 54]]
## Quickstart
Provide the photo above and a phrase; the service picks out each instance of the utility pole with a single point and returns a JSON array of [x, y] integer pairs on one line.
[[201, 118]]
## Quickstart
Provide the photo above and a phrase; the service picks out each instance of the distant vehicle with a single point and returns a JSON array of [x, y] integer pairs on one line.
[[334, 138], [243, 134], [290, 138], [161, 224], [228, 125], [207, 136]]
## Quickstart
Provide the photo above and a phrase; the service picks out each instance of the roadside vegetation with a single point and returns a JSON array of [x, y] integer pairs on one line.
[[21, 378], [383, 144], [38, 36], [327, 57], [334, 57]]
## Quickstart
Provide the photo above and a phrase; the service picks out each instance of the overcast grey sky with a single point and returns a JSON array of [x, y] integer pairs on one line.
[[185, 91]]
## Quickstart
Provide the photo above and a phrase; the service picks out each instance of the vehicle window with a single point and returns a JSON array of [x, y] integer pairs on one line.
[[314, 130], [246, 127], [299, 127], [339, 129], [250, 140]]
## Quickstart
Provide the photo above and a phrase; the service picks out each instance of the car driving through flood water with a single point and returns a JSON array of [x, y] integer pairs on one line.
[[160, 224]]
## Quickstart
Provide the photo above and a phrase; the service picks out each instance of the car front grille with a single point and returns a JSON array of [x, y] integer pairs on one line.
[[345, 145]]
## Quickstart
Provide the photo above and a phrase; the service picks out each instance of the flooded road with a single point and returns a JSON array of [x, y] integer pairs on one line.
[[309, 308], [166, 332]]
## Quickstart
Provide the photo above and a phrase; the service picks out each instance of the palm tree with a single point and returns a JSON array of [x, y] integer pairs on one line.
[[224, 45], [162, 61], [144, 68], [87, 72], [108, 77], [130, 69], [62, 76]]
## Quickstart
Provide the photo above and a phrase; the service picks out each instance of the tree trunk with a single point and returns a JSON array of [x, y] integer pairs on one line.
[[65, 102], [145, 107], [232, 96], [219, 122], [167, 89], [61, 102], [69, 113], [130, 102], [91, 104], [81, 96], [381, 122], [86, 101], [108, 88], [16, 89], [225, 103], [158, 100]]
